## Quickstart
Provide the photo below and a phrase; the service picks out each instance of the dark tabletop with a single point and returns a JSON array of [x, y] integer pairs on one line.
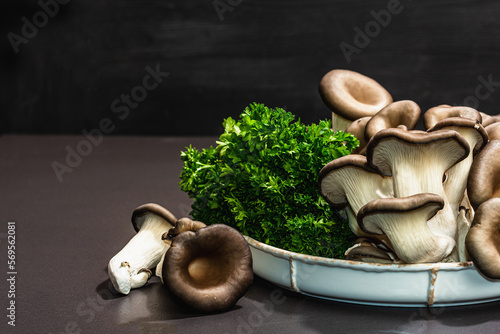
[[67, 228]]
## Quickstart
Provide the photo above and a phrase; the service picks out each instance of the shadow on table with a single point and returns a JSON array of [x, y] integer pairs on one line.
[[151, 303]]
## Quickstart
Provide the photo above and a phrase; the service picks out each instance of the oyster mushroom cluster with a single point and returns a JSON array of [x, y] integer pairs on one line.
[[207, 267], [420, 196]]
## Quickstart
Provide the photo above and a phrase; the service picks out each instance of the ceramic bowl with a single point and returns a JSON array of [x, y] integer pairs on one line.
[[405, 285]]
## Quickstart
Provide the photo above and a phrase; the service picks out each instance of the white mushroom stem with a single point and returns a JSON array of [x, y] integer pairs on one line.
[[463, 228], [143, 251], [353, 225], [339, 123], [416, 177], [456, 177], [469, 214]]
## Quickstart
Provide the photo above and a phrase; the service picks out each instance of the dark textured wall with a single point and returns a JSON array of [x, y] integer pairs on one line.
[[81, 64]]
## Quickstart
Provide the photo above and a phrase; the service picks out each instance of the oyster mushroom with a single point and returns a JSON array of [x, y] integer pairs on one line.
[[417, 162], [483, 188], [436, 114], [210, 269], [456, 178], [404, 112], [404, 221], [130, 268], [484, 176], [483, 240], [351, 95], [349, 182], [182, 225], [455, 183]]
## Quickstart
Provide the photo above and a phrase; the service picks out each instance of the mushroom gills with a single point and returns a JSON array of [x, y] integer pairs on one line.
[[210, 269], [405, 222], [366, 250]]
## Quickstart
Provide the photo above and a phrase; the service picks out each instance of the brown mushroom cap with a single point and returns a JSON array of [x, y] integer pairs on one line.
[[140, 214], [403, 112], [488, 119], [210, 269], [493, 131], [436, 114], [357, 129], [352, 95], [484, 176], [459, 123], [483, 240]]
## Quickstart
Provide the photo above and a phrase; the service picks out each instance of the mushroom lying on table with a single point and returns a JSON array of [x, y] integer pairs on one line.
[[130, 268], [182, 225], [210, 269]]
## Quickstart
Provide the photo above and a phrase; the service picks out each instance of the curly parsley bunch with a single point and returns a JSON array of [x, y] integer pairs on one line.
[[262, 179]]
